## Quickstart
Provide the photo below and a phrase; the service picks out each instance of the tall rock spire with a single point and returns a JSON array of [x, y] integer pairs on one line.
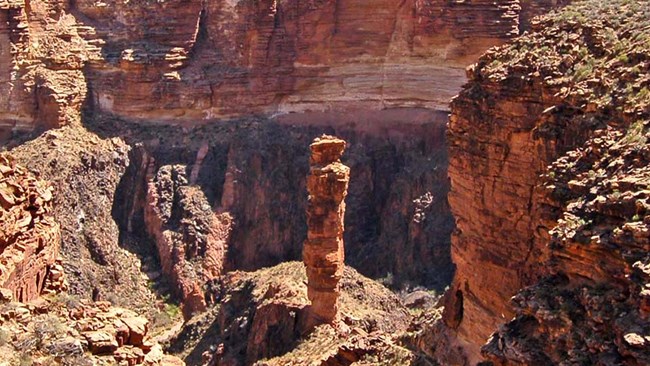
[[323, 252]]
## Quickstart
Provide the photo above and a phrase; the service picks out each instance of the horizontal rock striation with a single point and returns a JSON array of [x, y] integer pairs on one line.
[[210, 60], [548, 168], [30, 238]]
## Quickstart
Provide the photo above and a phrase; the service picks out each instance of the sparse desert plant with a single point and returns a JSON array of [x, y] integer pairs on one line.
[[25, 360], [5, 337], [161, 320], [46, 328], [70, 301], [388, 280]]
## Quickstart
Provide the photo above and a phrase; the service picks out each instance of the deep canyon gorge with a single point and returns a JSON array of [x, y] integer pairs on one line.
[[171, 193]]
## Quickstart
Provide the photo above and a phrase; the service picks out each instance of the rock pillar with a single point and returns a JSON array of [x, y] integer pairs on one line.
[[323, 251]]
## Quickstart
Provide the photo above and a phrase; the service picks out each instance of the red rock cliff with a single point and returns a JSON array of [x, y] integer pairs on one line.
[[29, 236], [544, 110], [214, 59], [42, 85]]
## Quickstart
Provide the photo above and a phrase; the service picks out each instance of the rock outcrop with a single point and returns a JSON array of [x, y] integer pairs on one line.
[[261, 318], [30, 238], [86, 171], [548, 166], [223, 197], [324, 252], [62, 329], [192, 240], [41, 64]]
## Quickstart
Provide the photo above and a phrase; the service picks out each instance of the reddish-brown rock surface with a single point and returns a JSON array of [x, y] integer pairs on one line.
[[29, 236], [324, 252], [42, 84], [233, 197], [216, 59], [262, 319], [548, 160], [191, 239], [86, 171], [62, 330]]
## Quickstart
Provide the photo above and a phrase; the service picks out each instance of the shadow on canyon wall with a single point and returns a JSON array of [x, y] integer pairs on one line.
[[398, 222]]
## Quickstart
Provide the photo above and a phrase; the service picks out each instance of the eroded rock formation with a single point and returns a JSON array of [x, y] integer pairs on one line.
[[85, 171], [223, 198], [41, 59], [548, 150], [324, 252], [262, 316], [192, 239], [64, 330], [30, 238]]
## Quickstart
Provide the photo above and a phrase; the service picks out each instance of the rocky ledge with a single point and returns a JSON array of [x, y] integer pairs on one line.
[[60, 329], [260, 317]]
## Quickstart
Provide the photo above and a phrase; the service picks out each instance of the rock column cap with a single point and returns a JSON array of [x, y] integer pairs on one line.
[[326, 150]]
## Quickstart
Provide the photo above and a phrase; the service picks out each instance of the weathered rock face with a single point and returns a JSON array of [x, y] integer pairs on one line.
[[323, 252], [85, 171], [29, 237], [209, 60], [191, 239], [542, 140], [41, 59], [231, 58]]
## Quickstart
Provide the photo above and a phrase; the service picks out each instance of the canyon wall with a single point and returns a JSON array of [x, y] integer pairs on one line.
[[548, 163], [367, 65], [85, 171], [41, 58], [210, 60]]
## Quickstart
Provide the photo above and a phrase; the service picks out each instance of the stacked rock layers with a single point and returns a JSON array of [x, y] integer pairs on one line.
[[29, 236], [323, 252]]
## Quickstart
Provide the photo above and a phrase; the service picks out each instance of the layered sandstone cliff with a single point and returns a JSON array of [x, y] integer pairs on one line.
[[548, 166], [30, 238], [323, 251], [208, 60], [214, 59]]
